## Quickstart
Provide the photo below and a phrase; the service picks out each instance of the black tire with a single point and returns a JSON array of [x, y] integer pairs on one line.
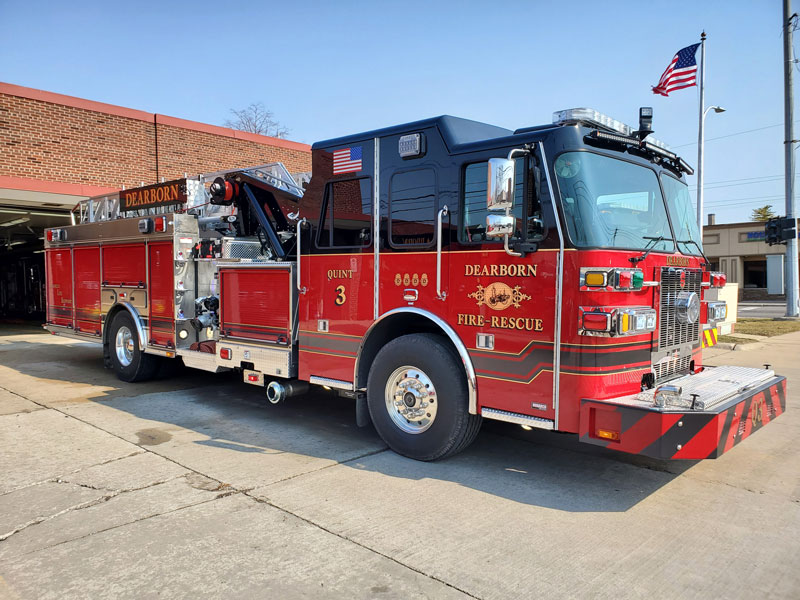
[[452, 428], [140, 366]]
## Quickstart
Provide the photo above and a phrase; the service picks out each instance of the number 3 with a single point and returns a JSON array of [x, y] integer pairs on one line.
[[341, 298]]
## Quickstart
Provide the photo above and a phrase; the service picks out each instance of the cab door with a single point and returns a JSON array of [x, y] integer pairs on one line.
[[336, 301], [412, 272], [502, 306]]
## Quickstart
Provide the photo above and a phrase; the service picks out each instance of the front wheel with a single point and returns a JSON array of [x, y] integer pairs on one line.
[[129, 362], [418, 399]]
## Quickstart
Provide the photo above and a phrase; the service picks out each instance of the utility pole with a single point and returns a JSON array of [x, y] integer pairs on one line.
[[700, 169], [792, 301]]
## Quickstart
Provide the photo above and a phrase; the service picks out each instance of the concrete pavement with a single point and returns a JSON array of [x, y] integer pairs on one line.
[[193, 486]]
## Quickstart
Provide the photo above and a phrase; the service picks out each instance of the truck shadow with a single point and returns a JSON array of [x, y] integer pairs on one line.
[[218, 415]]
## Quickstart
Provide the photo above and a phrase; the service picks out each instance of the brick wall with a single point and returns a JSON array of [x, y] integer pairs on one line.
[[54, 138]]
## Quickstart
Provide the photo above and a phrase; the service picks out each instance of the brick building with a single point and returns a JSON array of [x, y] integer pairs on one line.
[[56, 150]]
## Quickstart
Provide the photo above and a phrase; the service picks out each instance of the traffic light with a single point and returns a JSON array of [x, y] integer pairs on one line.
[[772, 231], [779, 230]]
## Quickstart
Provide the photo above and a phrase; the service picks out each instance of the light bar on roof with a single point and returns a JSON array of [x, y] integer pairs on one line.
[[590, 116], [659, 150]]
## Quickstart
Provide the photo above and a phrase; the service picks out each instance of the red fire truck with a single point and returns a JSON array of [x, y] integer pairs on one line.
[[438, 272]]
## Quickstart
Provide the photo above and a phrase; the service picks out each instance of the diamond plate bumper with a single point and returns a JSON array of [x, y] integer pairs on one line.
[[735, 403]]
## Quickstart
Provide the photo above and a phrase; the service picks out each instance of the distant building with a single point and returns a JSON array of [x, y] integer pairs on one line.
[[739, 250]]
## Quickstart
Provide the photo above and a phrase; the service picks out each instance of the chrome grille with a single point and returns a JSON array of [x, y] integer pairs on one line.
[[671, 332], [670, 368], [242, 248]]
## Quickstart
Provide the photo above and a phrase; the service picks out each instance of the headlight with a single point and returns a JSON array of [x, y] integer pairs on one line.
[[716, 312], [615, 321], [688, 307]]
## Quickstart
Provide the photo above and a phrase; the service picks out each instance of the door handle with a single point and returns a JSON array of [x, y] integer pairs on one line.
[[410, 295], [442, 213]]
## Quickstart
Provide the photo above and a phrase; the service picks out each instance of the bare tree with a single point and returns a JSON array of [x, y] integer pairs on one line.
[[256, 119]]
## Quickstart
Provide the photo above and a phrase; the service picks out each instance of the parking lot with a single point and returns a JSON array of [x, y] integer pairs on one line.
[[192, 486]]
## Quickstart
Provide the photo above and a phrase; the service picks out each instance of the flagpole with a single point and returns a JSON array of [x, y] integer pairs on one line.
[[700, 135]]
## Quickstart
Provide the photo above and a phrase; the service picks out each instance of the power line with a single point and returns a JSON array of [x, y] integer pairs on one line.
[[731, 135], [715, 187], [741, 201]]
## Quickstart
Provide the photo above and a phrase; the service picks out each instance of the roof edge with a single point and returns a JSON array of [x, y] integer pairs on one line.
[[19, 91]]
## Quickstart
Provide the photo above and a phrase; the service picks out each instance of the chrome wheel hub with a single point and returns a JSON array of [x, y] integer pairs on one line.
[[124, 346], [411, 399]]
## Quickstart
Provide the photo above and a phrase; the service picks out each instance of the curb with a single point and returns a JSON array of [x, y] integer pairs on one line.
[[737, 346]]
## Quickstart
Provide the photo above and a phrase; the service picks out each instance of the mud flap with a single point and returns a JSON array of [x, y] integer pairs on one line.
[[362, 410]]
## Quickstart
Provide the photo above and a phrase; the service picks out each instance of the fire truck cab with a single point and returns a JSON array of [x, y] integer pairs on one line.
[[439, 272]]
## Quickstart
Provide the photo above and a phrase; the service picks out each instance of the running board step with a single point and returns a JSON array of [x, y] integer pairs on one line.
[[511, 417]]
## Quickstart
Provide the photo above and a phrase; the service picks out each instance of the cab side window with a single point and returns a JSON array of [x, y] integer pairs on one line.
[[346, 219], [473, 202], [527, 211], [412, 208]]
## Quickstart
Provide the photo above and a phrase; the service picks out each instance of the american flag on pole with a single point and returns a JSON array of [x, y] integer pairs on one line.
[[347, 160], [681, 72]]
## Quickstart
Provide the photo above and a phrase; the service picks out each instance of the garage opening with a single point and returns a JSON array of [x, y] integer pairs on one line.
[[22, 289]]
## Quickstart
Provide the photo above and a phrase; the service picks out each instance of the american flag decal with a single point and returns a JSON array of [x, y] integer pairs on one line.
[[347, 160], [681, 72]]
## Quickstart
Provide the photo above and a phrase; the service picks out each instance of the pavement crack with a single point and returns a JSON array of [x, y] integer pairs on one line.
[[333, 464], [359, 544], [81, 505], [139, 520]]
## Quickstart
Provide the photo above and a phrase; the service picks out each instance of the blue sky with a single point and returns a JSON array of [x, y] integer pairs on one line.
[[333, 68]]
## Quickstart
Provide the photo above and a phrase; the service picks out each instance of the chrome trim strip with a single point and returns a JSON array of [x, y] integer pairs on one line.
[[137, 320], [472, 380], [68, 332], [376, 226], [337, 384], [442, 213], [559, 290], [160, 352], [511, 417]]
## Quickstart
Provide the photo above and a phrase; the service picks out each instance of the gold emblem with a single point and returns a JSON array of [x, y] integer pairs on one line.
[[424, 279], [677, 261], [398, 279], [499, 296], [406, 279], [415, 279]]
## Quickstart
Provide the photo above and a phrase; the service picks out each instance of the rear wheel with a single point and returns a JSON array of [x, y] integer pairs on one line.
[[418, 399], [127, 359]]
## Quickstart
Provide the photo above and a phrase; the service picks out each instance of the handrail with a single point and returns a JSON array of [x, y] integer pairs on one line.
[[442, 213], [300, 223]]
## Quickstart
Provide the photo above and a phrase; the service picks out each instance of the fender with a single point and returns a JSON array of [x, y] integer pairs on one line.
[[137, 321], [472, 381]]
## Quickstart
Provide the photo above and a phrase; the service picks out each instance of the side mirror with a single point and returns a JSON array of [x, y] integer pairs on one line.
[[500, 184], [500, 225]]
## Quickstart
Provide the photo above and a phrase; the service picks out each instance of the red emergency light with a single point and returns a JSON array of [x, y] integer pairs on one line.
[[715, 279]]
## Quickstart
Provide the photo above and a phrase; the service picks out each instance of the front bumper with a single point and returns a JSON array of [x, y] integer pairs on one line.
[[737, 402]]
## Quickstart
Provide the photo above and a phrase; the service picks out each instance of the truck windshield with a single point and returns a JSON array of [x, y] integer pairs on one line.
[[610, 203], [682, 215]]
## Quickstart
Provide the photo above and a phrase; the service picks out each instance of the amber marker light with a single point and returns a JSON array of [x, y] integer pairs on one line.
[[595, 278], [608, 434]]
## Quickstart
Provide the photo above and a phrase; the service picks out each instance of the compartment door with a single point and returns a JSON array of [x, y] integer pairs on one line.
[[161, 294], [87, 290], [59, 287]]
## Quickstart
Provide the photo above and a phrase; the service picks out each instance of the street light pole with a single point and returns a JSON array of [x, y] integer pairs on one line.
[[792, 291], [700, 135], [700, 157]]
